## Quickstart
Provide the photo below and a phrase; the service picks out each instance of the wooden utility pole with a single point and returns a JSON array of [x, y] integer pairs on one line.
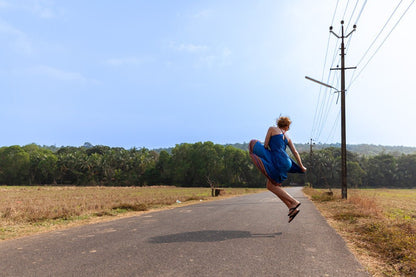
[[310, 161], [343, 121], [310, 148]]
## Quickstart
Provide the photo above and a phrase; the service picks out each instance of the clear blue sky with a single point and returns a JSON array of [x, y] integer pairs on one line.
[[159, 73]]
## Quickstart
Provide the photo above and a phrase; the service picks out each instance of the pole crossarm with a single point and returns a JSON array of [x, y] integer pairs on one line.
[[337, 68]]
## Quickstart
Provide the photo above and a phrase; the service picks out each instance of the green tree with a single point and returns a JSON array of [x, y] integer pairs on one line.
[[14, 165], [43, 164], [141, 167], [182, 165], [324, 168], [355, 174], [195, 164], [72, 167], [381, 171], [236, 166], [406, 171], [161, 173]]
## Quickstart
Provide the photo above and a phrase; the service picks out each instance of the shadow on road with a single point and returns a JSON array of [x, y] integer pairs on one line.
[[208, 236]]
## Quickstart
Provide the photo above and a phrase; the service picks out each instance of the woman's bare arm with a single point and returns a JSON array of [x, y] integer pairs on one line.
[[267, 139], [296, 154]]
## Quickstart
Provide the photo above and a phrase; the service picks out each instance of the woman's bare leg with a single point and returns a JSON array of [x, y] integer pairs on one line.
[[282, 194]]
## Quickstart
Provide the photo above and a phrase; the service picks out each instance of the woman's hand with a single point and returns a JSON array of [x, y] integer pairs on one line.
[[303, 168]]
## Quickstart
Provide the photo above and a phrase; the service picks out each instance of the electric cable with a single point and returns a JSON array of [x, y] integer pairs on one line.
[[335, 11], [353, 11], [320, 88], [313, 130], [378, 35], [395, 25], [345, 11], [332, 132], [324, 106], [361, 11], [326, 100], [327, 109]]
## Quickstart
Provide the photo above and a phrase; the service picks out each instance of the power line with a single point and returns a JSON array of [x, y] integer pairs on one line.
[[361, 11], [345, 11], [326, 111], [324, 106], [325, 100], [320, 88], [335, 11], [353, 11], [395, 25], [331, 133], [318, 111], [378, 35], [323, 115]]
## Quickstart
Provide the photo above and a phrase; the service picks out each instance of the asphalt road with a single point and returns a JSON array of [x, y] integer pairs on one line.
[[241, 236]]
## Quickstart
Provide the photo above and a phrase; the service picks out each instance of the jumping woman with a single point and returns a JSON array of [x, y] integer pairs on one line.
[[273, 161]]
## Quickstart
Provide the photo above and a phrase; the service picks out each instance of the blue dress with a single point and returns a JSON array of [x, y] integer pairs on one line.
[[274, 163]]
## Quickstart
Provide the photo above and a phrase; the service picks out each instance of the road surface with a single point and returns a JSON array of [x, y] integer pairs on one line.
[[242, 236]]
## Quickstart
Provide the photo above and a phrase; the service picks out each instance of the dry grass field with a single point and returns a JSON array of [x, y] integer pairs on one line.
[[33, 209], [379, 226]]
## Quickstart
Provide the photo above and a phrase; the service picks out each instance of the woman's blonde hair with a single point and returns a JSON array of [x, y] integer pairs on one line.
[[283, 121]]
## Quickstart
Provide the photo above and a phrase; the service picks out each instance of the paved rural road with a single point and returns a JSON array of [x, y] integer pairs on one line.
[[241, 236]]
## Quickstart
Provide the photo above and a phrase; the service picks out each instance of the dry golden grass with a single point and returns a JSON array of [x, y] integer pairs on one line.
[[379, 226], [32, 209]]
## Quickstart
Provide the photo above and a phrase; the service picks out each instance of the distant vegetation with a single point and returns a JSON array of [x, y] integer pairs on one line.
[[198, 165], [381, 170], [360, 149], [189, 165]]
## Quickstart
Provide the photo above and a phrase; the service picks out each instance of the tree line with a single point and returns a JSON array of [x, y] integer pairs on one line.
[[192, 165], [198, 164], [382, 170]]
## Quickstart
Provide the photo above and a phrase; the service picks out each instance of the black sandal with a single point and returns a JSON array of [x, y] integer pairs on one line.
[[292, 209], [293, 215]]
